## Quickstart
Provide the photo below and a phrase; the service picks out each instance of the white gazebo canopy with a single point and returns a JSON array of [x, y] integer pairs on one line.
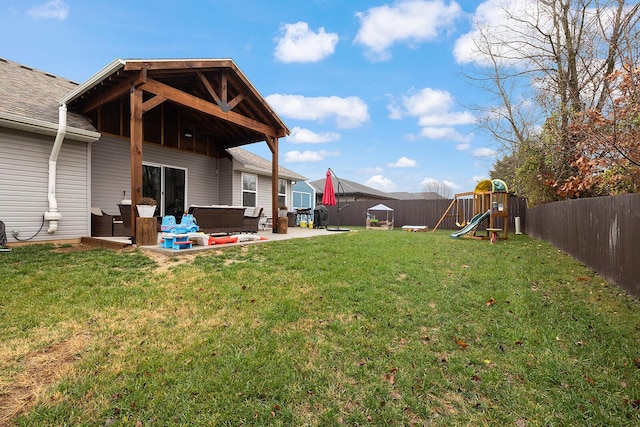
[[380, 207], [384, 210]]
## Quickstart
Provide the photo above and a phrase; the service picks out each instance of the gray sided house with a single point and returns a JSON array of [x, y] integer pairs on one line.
[[168, 129]]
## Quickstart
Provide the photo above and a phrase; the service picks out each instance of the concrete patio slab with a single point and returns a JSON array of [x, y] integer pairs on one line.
[[265, 235]]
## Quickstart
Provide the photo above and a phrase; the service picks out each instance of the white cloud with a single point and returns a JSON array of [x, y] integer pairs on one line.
[[349, 112], [427, 102], [451, 184], [445, 133], [298, 43], [463, 146], [381, 183], [403, 162], [451, 119], [507, 25], [56, 9], [406, 21], [309, 156], [305, 136], [484, 152], [433, 107]]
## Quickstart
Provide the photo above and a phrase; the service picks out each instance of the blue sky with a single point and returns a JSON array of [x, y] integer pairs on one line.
[[371, 89]]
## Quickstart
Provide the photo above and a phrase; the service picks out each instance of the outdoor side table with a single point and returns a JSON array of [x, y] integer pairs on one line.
[[494, 234]]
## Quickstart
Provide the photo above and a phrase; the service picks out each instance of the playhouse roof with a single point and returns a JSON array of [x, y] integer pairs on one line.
[[488, 185]]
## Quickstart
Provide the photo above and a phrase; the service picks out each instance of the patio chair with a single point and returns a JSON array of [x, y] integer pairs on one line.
[[250, 222], [125, 212], [101, 223]]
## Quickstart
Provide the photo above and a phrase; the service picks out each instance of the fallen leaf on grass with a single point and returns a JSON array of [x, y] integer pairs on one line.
[[391, 376], [460, 343], [491, 302]]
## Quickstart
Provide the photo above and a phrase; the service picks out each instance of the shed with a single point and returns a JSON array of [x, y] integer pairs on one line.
[[376, 214]]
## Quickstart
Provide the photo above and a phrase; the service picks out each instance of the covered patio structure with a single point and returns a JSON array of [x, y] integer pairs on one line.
[[198, 106]]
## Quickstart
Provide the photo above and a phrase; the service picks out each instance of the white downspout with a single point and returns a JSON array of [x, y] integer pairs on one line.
[[53, 216]]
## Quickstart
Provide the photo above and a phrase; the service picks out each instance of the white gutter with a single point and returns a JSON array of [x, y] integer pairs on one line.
[[27, 124], [94, 80], [53, 216]]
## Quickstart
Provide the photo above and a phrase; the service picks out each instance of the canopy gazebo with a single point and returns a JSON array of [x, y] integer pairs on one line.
[[375, 217]]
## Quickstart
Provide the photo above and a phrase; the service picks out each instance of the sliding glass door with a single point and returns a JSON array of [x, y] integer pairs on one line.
[[167, 185]]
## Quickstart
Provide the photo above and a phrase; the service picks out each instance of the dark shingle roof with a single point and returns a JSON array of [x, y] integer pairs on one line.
[[353, 188], [255, 163], [428, 195], [32, 94], [350, 188]]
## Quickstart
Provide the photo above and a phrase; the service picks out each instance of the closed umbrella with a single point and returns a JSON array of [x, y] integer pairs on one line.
[[329, 195]]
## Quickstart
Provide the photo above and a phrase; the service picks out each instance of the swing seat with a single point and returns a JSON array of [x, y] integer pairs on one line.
[[462, 224]]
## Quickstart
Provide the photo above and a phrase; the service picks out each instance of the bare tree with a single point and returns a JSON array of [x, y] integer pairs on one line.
[[438, 187], [543, 62]]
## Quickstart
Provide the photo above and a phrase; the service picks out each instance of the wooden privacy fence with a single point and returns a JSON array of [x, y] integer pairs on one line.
[[601, 232], [415, 212]]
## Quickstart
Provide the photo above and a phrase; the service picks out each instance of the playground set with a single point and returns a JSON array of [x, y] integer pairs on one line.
[[488, 201]]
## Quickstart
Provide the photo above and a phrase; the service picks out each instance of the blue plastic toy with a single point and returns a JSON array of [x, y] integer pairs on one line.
[[187, 224]]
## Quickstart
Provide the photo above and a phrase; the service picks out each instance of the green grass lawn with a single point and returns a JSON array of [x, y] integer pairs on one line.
[[361, 328]]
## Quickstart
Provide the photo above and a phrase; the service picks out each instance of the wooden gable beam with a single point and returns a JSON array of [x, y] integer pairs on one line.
[[199, 104], [178, 65], [222, 99], [117, 91], [152, 103]]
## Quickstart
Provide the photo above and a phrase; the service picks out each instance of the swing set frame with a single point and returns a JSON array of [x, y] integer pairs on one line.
[[458, 214], [489, 195]]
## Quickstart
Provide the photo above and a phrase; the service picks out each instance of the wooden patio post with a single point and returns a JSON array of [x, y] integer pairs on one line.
[[136, 155], [273, 146]]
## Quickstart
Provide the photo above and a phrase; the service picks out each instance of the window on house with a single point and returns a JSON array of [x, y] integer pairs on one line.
[[249, 190], [282, 192], [301, 200], [167, 185]]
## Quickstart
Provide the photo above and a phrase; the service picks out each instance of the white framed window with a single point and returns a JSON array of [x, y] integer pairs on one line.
[[249, 190], [301, 200], [282, 192]]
